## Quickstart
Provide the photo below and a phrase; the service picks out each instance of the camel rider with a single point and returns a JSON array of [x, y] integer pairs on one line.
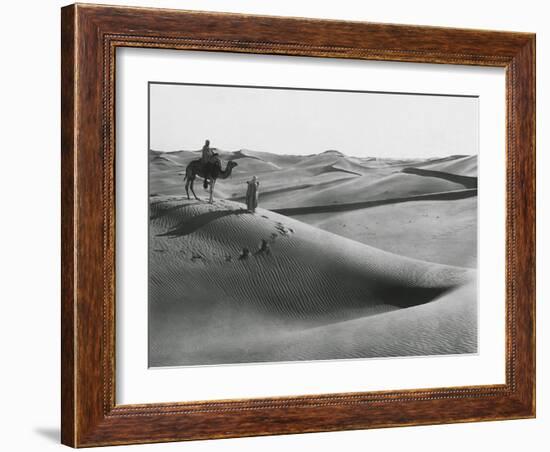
[[208, 157], [207, 152]]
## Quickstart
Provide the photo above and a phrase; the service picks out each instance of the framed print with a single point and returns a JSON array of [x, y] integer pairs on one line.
[[282, 225]]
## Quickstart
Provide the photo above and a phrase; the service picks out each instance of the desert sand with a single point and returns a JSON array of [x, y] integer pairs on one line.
[[465, 166], [393, 279], [442, 232]]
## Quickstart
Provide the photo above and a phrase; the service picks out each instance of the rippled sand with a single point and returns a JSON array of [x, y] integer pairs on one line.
[[228, 286]]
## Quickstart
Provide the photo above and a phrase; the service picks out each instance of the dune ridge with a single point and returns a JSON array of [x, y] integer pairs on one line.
[[447, 196], [464, 166], [466, 181], [329, 177], [430, 230]]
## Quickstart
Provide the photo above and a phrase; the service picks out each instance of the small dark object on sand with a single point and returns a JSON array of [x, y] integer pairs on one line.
[[228, 258], [264, 247], [196, 256], [283, 230], [245, 254]]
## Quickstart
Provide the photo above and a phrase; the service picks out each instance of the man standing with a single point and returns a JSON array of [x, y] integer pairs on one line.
[[252, 194]]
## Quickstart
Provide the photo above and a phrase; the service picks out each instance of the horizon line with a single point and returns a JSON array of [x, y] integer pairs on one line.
[[319, 153]]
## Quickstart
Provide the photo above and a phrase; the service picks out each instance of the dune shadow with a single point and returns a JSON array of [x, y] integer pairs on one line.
[[168, 210], [408, 296], [194, 223], [466, 181], [335, 169], [438, 196], [278, 191]]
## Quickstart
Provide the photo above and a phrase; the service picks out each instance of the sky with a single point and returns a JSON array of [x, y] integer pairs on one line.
[[290, 121]]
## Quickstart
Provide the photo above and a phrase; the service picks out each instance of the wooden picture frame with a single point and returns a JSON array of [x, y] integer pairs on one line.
[[90, 35]]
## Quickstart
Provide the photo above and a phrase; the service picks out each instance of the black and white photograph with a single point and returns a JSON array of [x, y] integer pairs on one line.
[[295, 224]]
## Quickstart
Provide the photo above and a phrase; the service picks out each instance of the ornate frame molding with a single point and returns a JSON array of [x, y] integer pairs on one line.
[[90, 37]]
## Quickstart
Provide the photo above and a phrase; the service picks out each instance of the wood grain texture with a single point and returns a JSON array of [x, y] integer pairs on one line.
[[67, 226], [90, 36]]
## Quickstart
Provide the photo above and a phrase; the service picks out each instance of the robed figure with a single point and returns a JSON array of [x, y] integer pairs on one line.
[[252, 194]]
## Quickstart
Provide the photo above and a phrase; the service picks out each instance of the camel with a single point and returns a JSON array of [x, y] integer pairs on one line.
[[209, 172]]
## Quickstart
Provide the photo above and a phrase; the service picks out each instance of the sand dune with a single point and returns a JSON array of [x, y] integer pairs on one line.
[[346, 207], [434, 231], [179, 157], [209, 297], [465, 166], [282, 160], [369, 274], [322, 158], [363, 188], [277, 174], [331, 160], [161, 162], [447, 323], [302, 180], [466, 181], [248, 165]]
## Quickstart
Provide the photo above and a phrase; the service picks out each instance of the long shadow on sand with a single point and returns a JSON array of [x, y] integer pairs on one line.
[[192, 224], [440, 196], [466, 181], [165, 211], [408, 296], [278, 191]]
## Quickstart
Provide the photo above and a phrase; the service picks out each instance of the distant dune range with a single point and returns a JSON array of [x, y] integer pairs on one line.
[[464, 166], [362, 257], [326, 178], [336, 186], [450, 195]]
